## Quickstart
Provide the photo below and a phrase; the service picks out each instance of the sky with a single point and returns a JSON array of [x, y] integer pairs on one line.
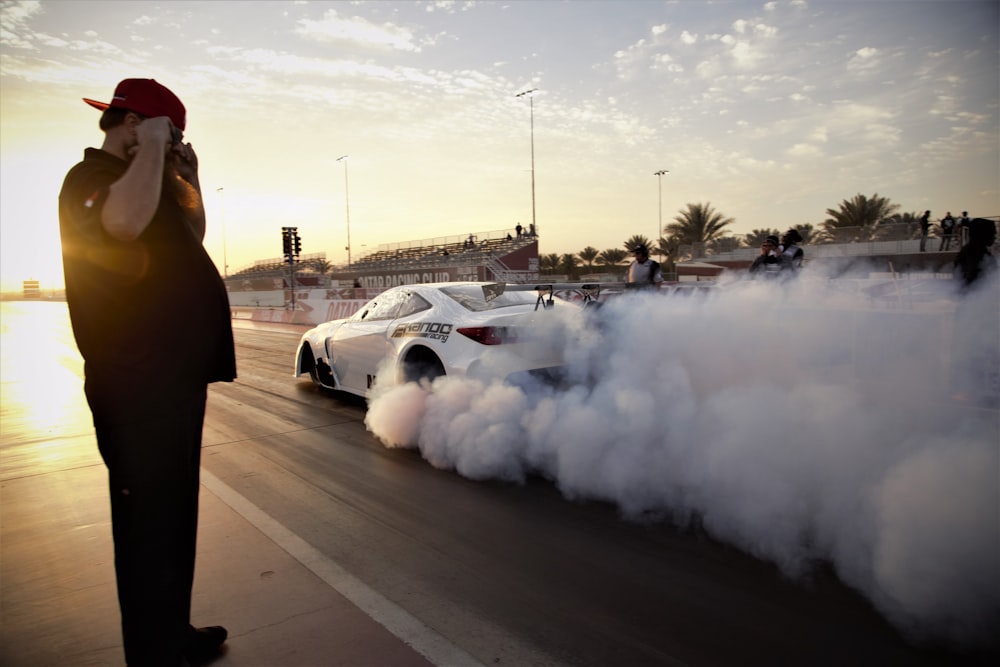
[[771, 112]]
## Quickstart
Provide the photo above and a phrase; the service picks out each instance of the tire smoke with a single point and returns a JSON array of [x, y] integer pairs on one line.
[[796, 422]]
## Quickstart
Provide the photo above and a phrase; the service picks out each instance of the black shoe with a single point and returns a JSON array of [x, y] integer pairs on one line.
[[204, 643]]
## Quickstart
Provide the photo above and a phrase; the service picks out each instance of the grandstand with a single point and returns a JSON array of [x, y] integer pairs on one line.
[[490, 255]]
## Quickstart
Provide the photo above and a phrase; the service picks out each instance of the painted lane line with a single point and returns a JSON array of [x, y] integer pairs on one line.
[[383, 611]]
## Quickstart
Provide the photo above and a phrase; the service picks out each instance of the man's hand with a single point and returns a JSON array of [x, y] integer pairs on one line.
[[185, 162], [153, 131]]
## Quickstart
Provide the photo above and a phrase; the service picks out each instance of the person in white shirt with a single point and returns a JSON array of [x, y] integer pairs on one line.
[[643, 273]]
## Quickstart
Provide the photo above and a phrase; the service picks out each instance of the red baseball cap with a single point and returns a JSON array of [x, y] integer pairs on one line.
[[145, 97]]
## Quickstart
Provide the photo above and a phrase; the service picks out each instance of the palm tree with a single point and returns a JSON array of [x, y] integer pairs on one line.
[[567, 264], [549, 263], [808, 232], [588, 255], [612, 257], [669, 247], [637, 240], [857, 218], [724, 243], [757, 236], [322, 266], [699, 224], [904, 225]]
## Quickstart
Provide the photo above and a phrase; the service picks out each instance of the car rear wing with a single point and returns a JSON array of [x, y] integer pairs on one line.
[[546, 292], [590, 293]]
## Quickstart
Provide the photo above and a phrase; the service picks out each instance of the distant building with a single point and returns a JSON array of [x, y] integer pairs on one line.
[[31, 289]]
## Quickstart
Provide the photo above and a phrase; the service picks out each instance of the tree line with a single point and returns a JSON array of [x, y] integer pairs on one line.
[[860, 218]]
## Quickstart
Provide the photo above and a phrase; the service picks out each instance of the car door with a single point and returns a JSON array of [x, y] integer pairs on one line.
[[357, 347]]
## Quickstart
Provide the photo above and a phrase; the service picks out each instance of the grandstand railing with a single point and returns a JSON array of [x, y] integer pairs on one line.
[[503, 272], [455, 240], [280, 264], [442, 251]]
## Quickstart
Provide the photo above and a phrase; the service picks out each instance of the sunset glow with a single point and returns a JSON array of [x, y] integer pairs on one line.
[[772, 112]]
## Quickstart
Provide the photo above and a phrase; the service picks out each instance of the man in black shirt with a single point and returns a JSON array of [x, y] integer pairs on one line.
[[947, 229], [790, 255], [767, 263], [151, 317]]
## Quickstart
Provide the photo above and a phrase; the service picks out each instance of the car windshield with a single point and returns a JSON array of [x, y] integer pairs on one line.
[[471, 298]]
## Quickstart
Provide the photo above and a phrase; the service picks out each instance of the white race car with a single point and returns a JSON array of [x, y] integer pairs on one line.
[[412, 332]]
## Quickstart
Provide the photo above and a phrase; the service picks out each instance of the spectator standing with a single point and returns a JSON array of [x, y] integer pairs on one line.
[[963, 229], [132, 224], [519, 229], [767, 263], [790, 255], [643, 273], [947, 229], [925, 228]]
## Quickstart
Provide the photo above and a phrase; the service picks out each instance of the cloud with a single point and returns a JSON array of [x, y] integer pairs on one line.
[[666, 62], [805, 436], [627, 59], [745, 55], [805, 151], [864, 60], [15, 20], [749, 27], [449, 6], [743, 51], [866, 127], [357, 30], [19, 13]]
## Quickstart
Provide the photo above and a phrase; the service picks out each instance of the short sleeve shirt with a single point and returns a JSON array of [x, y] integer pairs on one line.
[[148, 315]]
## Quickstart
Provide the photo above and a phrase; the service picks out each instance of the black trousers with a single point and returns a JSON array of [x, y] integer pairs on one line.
[[153, 456]]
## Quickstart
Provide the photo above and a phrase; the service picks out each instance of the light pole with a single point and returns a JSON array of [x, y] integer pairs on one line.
[[659, 177], [225, 261], [531, 106], [347, 202]]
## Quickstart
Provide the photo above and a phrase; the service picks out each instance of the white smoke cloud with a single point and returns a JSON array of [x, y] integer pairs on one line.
[[795, 422]]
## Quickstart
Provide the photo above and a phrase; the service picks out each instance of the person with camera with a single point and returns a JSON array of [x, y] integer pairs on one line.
[[767, 263], [151, 318]]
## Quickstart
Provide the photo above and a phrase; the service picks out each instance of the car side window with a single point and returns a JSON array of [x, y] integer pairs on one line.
[[413, 304], [363, 311], [385, 306]]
